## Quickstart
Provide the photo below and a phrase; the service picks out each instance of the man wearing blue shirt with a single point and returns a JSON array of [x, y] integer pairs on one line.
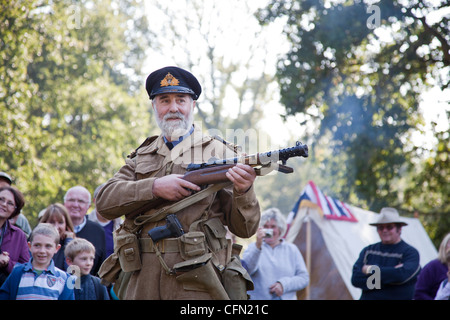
[[392, 260]]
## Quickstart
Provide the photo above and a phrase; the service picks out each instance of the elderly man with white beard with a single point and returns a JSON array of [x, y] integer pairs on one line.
[[196, 264]]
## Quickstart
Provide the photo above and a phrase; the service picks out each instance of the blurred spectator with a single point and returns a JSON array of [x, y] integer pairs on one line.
[[81, 253], [398, 262], [277, 267], [443, 292], [39, 279], [77, 201], [433, 273], [13, 241], [19, 220], [5, 179], [108, 225]]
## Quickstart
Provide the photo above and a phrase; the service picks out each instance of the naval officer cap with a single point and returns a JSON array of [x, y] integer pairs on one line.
[[172, 80]]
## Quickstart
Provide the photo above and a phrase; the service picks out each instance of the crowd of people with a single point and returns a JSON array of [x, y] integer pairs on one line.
[[390, 269], [38, 265], [181, 251], [58, 259]]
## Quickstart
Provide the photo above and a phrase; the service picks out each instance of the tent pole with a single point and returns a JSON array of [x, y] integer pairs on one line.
[[308, 252]]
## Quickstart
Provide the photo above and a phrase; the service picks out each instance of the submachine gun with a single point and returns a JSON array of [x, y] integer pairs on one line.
[[214, 172]]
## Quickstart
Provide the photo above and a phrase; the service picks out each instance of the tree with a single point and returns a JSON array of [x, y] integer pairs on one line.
[[428, 187], [220, 47], [360, 85], [70, 105]]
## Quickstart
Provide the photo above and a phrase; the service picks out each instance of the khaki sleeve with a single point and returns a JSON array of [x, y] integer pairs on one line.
[[241, 212], [123, 194]]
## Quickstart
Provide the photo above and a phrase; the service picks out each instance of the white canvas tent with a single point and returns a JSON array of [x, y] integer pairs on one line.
[[330, 247]]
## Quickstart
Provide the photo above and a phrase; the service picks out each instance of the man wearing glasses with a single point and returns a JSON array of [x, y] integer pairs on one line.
[[396, 263], [77, 201]]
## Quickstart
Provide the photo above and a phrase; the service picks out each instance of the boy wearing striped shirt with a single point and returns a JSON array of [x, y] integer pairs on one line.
[[39, 279]]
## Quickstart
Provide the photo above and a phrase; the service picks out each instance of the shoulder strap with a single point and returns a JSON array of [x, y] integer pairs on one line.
[[177, 206], [230, 145], [147, 142]]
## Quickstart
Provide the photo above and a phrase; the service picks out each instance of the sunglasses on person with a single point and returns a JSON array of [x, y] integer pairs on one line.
[[388, 227]]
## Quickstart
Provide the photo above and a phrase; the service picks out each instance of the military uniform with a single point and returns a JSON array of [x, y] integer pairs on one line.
[[131, 187], [202, 256]]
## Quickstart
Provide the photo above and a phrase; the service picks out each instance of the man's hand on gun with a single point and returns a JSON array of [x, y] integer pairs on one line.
[[242, 176], [174, 188]]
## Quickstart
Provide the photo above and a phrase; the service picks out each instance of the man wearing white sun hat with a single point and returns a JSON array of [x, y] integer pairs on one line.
[[392, 261]]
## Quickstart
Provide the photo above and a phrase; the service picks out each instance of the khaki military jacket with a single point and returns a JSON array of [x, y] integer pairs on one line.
[[131, 188]]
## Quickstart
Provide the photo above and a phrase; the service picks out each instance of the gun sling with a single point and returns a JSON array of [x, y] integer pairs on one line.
[[163, 212]]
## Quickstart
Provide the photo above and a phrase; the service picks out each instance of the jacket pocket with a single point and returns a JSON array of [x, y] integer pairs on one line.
[[147, 166], [192, 244], [215, 234]]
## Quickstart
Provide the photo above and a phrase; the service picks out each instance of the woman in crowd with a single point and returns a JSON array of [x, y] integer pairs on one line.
[[13, 241], [277, 267], [433, 273]]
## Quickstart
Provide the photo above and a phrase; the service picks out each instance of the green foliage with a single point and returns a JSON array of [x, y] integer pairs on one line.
[[69, 109], [362, 86], [428, 187], [72, 103]]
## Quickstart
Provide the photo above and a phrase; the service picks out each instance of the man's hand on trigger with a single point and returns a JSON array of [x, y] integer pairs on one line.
[[173, 188], [242, 176]]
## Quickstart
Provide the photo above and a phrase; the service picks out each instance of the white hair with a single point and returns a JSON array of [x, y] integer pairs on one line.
[[79, 188], [277, 216]]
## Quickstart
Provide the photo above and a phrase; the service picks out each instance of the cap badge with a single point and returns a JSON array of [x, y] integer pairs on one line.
[[169, 80]]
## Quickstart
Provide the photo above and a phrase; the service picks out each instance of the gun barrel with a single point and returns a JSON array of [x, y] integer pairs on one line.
[[299, 150]]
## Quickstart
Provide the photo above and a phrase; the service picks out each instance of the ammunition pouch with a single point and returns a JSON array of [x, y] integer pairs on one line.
[[126, 245], [215, 234], [123, 262], [109, 270], [199, 274], [202, 271], [192, 244], [236, 280]]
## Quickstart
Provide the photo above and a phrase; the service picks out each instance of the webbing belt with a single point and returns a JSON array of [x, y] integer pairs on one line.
[[165, 246]]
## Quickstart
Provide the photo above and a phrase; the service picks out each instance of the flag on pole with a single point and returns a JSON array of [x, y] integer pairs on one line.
[[329, 208]]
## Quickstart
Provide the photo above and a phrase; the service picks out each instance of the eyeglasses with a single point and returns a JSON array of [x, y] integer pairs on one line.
[[82, 202], [388, 227], [10, 204]]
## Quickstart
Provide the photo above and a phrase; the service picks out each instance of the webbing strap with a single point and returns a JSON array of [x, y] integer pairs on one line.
[[177, 206]]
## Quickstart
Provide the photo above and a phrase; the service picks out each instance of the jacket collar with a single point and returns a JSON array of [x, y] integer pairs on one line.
[[50, 269], [196, 139]]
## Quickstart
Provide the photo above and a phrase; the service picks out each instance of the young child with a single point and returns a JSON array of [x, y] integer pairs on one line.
[[57, 215], [443, 292], [80, 255], [39, 279]]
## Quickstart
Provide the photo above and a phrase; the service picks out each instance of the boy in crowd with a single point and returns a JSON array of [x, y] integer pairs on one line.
[[80, 255], [39, 279]]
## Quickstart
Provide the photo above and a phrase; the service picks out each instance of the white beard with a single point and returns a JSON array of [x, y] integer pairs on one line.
[[174, 129]]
